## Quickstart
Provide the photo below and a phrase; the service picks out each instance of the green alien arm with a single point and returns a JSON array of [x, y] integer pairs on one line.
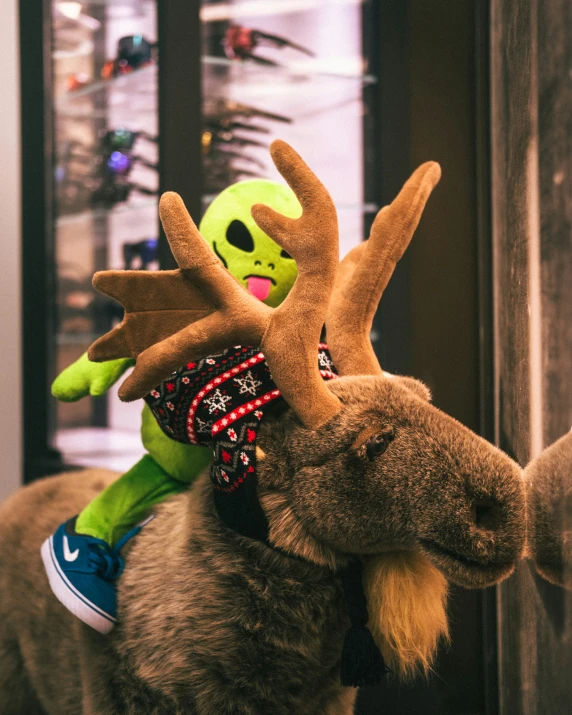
[[183, 462], [84, 377]]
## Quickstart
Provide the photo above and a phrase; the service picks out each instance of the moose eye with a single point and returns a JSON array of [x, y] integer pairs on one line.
[[239, 236], [285, 254], [378, 443]]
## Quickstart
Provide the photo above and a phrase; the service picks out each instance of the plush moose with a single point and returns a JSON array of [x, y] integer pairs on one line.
[[360, 469]]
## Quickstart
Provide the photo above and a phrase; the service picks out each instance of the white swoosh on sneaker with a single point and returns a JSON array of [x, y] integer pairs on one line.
[[69, 555]]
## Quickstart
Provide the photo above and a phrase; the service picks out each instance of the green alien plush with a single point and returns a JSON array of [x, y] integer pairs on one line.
[[252, 257], [169, 467]]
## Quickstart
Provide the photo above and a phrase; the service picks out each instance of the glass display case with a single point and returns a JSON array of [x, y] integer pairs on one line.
[[294, 70], [105, 193], [287, 69]]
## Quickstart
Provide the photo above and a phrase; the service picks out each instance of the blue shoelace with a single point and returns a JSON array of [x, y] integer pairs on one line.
[[106, 560]]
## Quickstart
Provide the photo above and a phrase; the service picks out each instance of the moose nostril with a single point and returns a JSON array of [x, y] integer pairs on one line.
[[486, 515]]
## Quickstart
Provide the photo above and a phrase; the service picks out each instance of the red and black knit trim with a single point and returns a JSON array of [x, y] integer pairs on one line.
[[171, 401], [220, 401]]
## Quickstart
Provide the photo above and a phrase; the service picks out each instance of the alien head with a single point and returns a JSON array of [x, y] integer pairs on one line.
[[250, 255]]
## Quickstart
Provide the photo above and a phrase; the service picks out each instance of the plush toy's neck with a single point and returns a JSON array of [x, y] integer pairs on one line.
[[287, 533]]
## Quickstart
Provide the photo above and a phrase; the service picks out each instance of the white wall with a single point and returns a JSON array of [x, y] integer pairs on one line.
[[10, 283]]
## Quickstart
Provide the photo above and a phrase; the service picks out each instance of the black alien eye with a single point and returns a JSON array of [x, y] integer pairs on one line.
[[378, 443], [239, 236], [285, 254]]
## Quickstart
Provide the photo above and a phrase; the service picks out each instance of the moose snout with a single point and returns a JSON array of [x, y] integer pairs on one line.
[[486, 515], [475, 526]]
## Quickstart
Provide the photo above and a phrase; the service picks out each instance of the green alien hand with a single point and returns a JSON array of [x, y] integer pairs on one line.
[[84, 377]]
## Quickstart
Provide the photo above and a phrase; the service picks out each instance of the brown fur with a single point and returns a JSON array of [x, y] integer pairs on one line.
[[438, 488], [39, 639], [211, 622], [549, 485]]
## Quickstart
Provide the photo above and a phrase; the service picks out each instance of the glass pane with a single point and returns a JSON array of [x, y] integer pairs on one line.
[[292, 70], [105, 197]]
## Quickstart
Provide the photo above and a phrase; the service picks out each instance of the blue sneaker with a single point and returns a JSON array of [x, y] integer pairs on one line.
[[82, 571]]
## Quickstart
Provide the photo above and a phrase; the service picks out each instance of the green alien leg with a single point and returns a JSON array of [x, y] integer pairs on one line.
[[127, 501], [169, 468]]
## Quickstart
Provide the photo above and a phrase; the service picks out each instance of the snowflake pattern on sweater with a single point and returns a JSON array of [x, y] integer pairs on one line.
[[220, 401]]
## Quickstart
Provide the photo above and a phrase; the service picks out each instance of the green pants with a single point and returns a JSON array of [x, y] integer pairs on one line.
[[167, 469]]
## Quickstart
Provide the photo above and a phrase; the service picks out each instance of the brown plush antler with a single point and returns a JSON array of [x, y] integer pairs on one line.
[[365, 272], [173, 317]]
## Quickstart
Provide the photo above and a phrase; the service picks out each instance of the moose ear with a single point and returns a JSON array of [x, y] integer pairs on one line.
[[416, 386]]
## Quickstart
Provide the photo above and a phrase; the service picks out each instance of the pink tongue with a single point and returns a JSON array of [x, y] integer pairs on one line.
[[259, 287]]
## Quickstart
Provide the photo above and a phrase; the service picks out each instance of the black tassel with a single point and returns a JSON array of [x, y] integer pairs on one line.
[[362, 661]]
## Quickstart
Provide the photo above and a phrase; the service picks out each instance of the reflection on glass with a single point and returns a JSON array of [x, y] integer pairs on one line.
[[271, 68], [549, 488], [291, 70], [105, 185], [532, 220]]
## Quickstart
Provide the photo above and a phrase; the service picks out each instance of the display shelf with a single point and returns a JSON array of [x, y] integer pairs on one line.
[[144, 81], [317, 94], [116, 449], [343, 69], [141, 81], [98, 213], [220, 11]]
